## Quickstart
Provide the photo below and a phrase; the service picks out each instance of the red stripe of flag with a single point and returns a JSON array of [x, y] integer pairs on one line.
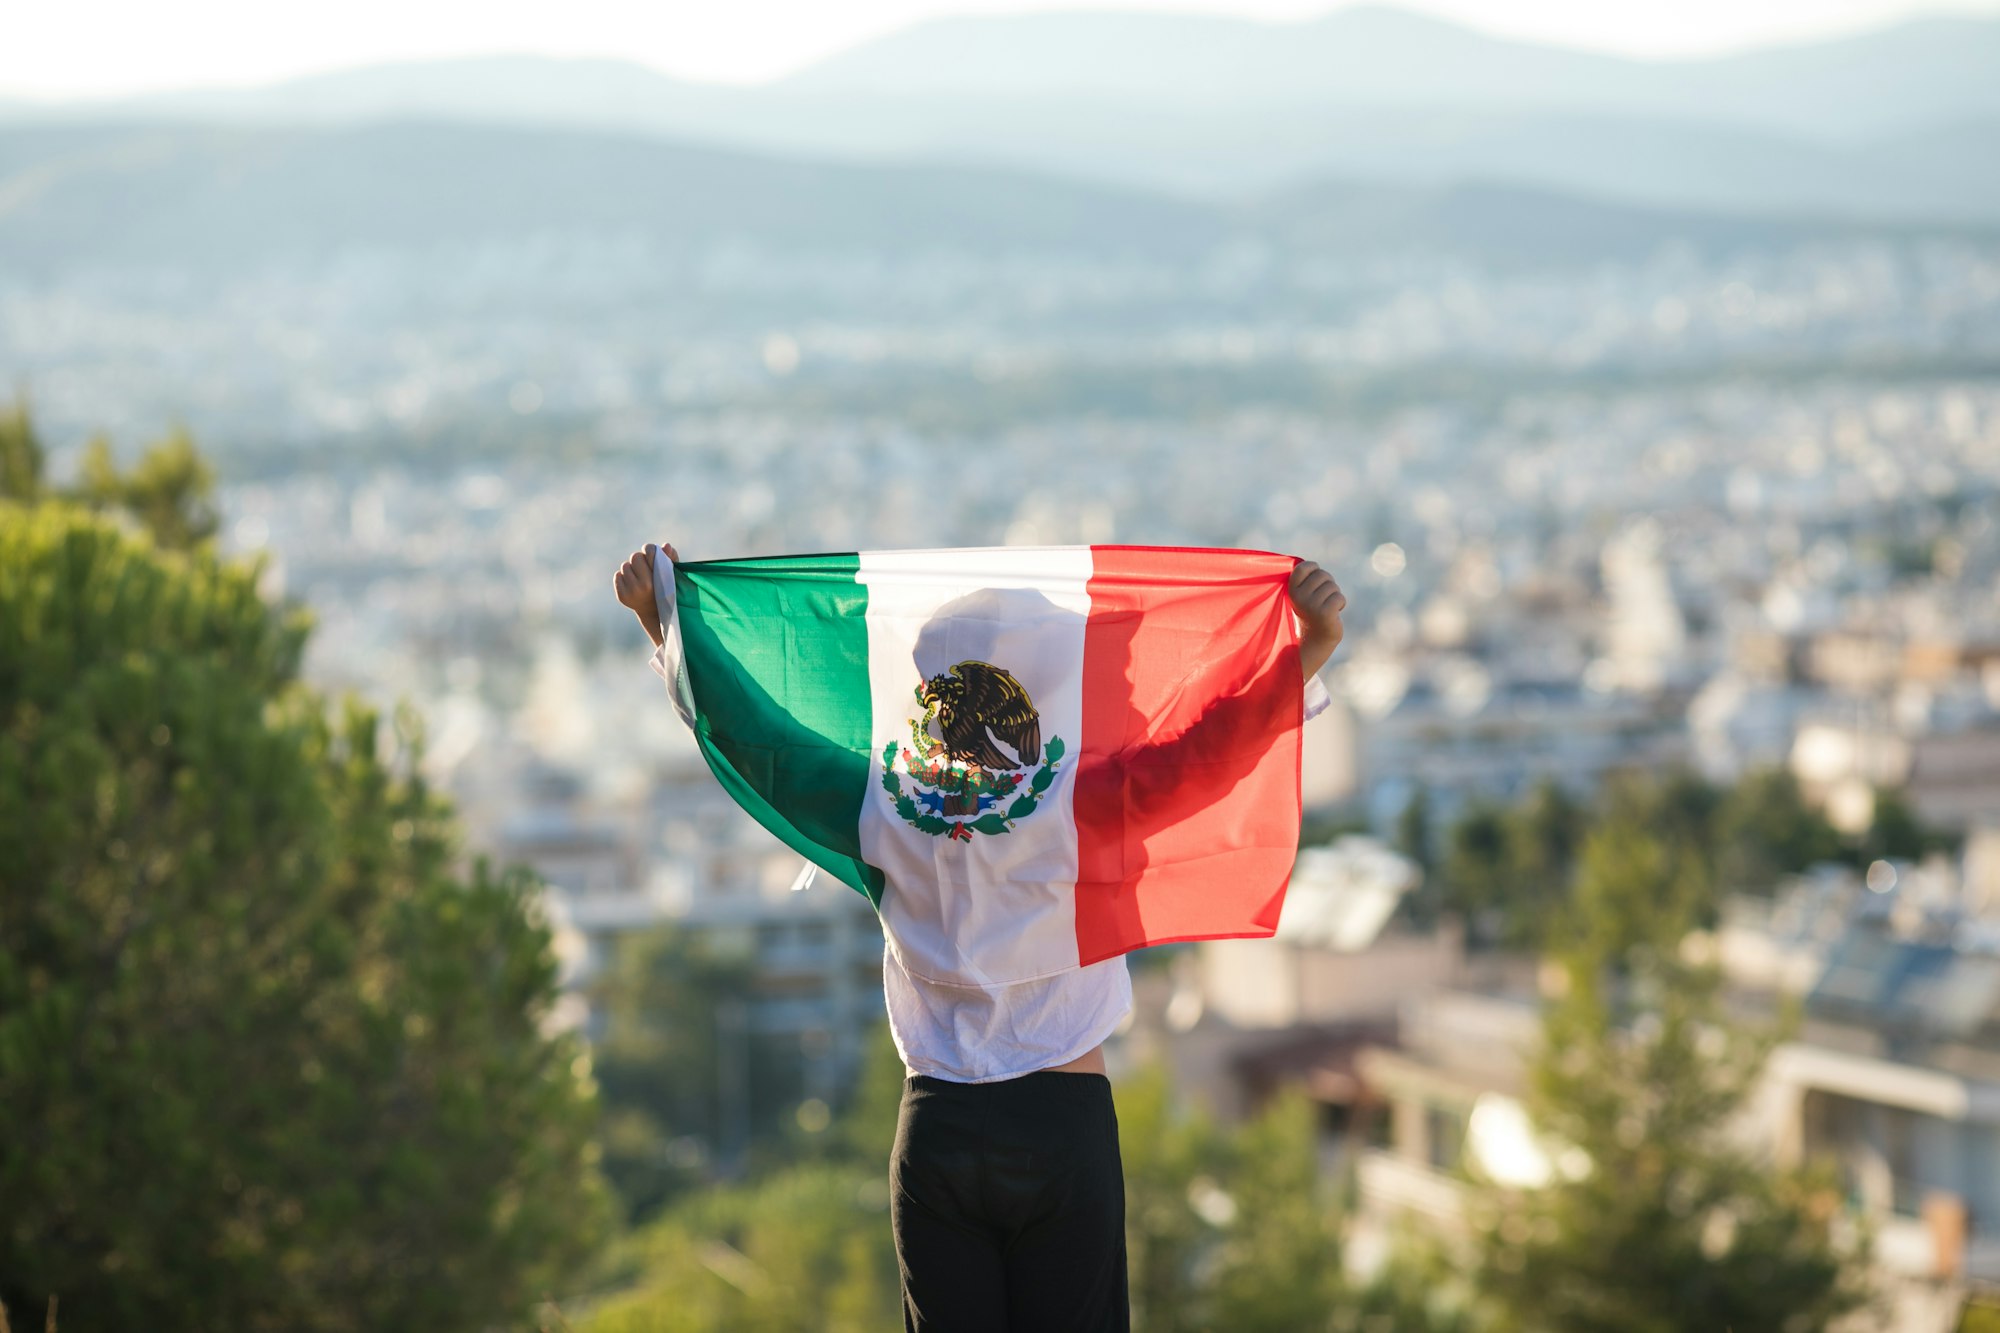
[[1187, 779]]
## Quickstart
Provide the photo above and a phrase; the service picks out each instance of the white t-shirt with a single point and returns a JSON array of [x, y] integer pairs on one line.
[[982, 1034], [969, 1034]]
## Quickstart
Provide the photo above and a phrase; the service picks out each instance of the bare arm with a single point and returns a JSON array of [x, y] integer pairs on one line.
[[1228, 739], [634, 585], [1318, 601]]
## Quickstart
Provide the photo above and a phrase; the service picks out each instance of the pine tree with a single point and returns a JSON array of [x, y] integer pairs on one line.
[[805, 1250], [1413, 828], [1764, 830], [21, 454], [655, 1061], [1662, 1223], [1172, 1160], [1227, 1229], [169, 492], [269, 1059], [1281, 1267]]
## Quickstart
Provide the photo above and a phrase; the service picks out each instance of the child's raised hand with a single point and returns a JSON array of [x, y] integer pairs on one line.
[[1318, 600], [634, 585]]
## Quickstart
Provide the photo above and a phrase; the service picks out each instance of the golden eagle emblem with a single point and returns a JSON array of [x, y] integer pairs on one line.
[[968, 754], [981, 707]]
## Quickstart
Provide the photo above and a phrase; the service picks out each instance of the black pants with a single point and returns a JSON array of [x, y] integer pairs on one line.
[[1008, 1203]]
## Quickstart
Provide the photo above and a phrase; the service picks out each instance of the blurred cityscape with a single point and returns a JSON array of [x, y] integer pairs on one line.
[[1613, 485], [1728, 574]]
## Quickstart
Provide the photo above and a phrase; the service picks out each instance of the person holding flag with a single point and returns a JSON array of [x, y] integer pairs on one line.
[[1031, 761]]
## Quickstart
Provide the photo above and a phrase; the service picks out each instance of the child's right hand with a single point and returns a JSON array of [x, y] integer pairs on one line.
[[634, 585]]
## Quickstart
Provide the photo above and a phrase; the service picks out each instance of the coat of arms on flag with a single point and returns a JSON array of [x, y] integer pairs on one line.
[[970, 755], [1028, 759]]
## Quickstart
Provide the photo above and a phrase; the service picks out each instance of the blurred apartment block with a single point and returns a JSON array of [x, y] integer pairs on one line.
[[1919, 714], [1640, 652], [1416, 1053]]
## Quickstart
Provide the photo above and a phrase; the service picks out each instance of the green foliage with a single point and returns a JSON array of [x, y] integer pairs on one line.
[[1322, 828], [169, 493], [662, 1004], [269, 1062], [1509, 870], [1167, 1243], [1668, 1226], [1475, 874], [1640, 887], [807, 1250], [866, 1131], [1413, 835], [1279, 1269], [21, 455], [1505, 870], [807, 1246], [656, 1061], [1225, 1231], [1897, 834], [1764, 830], [1419, 1289]]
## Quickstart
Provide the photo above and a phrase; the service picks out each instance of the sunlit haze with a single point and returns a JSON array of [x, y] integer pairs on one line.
[[97, 48]]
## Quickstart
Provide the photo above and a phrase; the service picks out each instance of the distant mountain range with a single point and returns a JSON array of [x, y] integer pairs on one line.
[[1910, 76], [208, 197], [221, 199], [1901, 123]]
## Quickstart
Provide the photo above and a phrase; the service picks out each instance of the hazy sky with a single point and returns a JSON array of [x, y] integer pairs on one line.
[[68, 48]]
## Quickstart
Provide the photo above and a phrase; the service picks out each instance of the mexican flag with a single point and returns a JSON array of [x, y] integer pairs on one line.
[[1028, 759]]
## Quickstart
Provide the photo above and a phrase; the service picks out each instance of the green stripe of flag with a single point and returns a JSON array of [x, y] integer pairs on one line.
[[777, 657]]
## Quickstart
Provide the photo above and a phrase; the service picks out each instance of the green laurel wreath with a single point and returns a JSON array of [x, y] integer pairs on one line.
[[973, 782], [990, 822]]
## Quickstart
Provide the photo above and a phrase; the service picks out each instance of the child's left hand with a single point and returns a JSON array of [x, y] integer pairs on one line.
[[1318, 600]]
